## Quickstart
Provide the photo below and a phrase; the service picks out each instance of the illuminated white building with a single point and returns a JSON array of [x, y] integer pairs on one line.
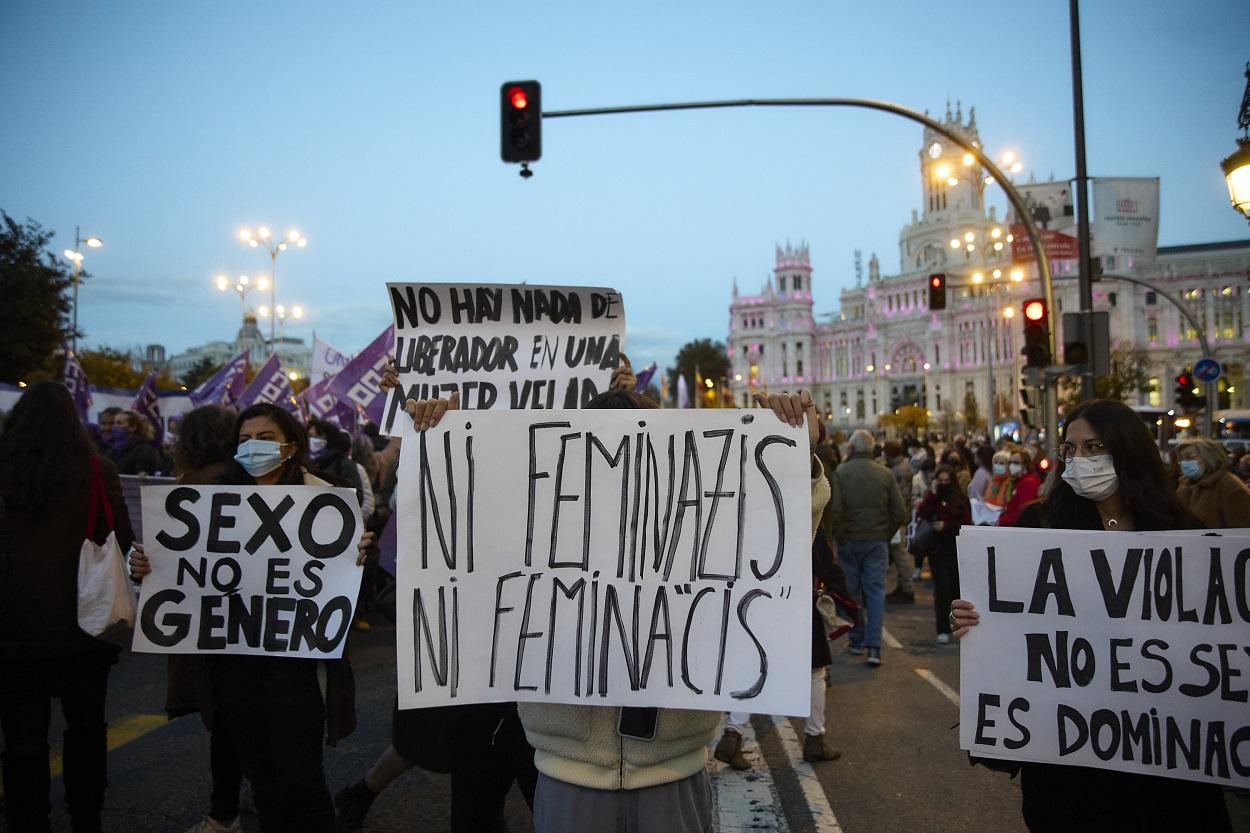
[[883, 348]]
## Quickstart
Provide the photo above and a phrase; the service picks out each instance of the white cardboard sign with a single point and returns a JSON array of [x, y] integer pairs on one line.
[[265, 570], [606, 557], [513, 346], [1117, 650]]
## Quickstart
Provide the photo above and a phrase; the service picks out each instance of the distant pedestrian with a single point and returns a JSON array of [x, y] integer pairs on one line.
[[947, 508], [132, 450], [1208, 489], [900, 556], [867, 512], [1025, 486]]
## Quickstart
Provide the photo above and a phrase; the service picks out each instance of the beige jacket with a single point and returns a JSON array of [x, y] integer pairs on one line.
[[580, 745]]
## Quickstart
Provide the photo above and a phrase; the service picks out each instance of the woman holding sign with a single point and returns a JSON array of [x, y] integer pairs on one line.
[[48, 466], [270, 709], [1111, 478]]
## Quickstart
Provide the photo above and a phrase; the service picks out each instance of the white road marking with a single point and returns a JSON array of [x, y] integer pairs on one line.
[[889, 640], [817, 802], [746, 801], [932, 679]]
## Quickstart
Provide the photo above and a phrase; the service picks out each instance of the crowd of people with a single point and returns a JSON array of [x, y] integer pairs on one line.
[[879, 506]]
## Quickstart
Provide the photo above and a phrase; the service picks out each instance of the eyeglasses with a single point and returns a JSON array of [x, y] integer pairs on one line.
[[1090, 448]]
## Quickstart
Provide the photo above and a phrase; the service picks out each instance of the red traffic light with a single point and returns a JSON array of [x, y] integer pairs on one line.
[[936, 281], [1185, 380], [517, 98], [1035, 310]]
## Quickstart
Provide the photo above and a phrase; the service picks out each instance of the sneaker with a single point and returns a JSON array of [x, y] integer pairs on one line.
[[211, 825], [855, 651], [944, 639], [901, 597], [729, 750], [874, 656], [353, 803]]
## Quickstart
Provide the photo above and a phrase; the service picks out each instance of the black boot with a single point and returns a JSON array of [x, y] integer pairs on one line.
[[26, 780], [353, 803], [729, 750], [86, 775]]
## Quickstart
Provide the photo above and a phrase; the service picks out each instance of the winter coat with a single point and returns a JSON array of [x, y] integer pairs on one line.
[[999, 491], [867, 505], [39, 574], [137, 456], [1219, 499], [952, 514], [1023, 492], [580, 744]]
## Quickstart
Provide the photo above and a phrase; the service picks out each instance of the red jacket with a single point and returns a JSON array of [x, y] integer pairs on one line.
[[1025, 492]]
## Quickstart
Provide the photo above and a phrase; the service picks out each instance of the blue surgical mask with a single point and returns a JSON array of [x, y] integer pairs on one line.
[[1000, 469], [259, 457], [316, 445], [1191, 469]]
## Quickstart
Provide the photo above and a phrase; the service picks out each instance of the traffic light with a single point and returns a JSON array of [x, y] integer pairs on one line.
[[521, 121], [1186, 384], [937, 291], [1036, 333]]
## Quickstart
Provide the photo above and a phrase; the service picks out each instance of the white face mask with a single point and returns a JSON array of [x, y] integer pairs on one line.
[[1000, 469], [1092, 477], [1015, 469]]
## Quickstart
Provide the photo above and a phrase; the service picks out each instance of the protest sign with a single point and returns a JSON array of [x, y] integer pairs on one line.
[[265, 570], [326, 360], [503, 346], [1117, 650], [132, 490], [606, 557]]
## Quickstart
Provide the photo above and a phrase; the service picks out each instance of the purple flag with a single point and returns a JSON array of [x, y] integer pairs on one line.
[[76, 381], [319, 403], [225, 386], [644, 377], [270, 385], [149, 405], [357, 384]]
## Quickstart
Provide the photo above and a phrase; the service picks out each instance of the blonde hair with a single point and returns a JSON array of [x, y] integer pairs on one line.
[[143, 427], [1212, 453]]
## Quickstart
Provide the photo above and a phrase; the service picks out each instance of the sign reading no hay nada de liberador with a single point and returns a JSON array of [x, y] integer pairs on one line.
[[267, 570], [1117, 650], [503, 346], [606, 557]]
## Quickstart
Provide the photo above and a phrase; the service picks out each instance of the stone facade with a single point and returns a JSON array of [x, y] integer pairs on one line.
[[295, 354], [883, 348]]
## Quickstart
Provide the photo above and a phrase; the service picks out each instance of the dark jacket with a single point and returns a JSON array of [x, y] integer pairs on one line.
[[952, 513], [866, 503], [137, 456], [39, 574]]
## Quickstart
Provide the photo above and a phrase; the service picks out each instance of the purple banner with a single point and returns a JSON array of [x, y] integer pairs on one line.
[[644, 377], [76, 381], [225, 386], [149, 405], [319, 403], [270, 385], [357, 384]]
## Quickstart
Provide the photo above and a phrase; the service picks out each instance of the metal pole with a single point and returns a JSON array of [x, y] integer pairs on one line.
[[1203, 344], [1013, 196], [273, 287], [1085, 288], [989, 364], [77, 266]]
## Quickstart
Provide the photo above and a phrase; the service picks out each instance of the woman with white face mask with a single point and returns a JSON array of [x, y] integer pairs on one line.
[[1214, 495], [1025, 485], [1111, 478]]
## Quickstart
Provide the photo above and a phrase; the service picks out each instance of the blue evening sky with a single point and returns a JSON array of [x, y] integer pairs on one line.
[[373, 127]]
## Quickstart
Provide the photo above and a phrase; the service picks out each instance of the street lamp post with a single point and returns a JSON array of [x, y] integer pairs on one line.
[[280, 313], [991, 322], [242, 286], [1237, 166], [263, 238], [74, 255]]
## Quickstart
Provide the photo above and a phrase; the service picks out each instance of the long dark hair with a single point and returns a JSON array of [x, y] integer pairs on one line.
[[204, 438], [957, 498], [293, 468], [1147, 492], [45, 452]]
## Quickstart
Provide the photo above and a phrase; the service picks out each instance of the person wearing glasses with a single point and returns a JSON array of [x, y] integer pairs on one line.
[[1111, 478]]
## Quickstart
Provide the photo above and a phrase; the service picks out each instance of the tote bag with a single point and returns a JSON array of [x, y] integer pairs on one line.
[[106, 608]]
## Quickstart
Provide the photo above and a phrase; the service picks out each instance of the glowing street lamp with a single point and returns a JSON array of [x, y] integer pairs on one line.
[[263, 237], [1237, 166], [243, 285], [280, 313], [74, 256]]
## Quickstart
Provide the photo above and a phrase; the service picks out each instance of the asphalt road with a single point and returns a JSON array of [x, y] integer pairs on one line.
[[901, 767]]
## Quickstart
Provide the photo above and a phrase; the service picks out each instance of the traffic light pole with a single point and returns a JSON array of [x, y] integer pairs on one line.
[[1203, 344], [1022, 213]]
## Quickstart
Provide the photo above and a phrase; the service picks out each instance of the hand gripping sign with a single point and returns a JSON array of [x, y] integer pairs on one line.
[[264, 570], [606, 557], [1118, 650]]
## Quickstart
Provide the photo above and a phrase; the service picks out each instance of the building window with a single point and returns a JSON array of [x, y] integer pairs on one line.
[[798, 283], [798, 366], [781, 283], [1152, 329], [1111, 298], [1152, 298]]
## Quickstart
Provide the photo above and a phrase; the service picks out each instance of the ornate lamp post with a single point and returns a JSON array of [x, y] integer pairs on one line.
[[1237, 166], [262, 237], [242, 286], [74, 255]]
